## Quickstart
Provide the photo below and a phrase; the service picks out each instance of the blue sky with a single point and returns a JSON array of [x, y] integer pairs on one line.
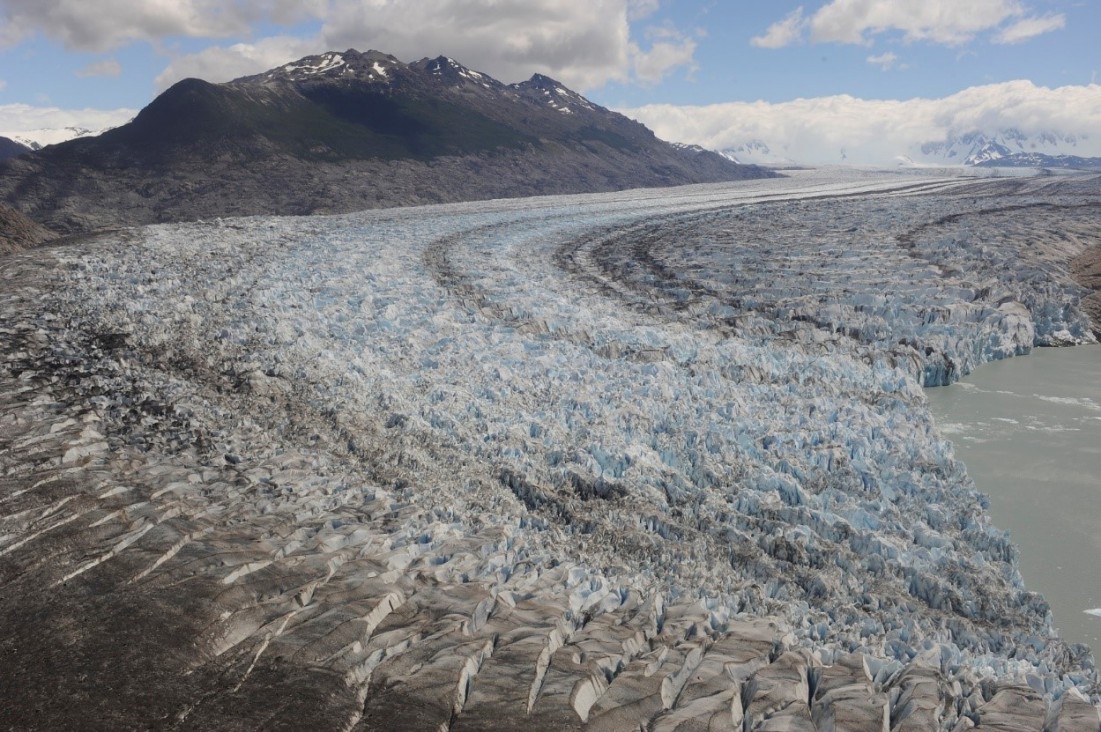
[[107, 55], [729, 68]]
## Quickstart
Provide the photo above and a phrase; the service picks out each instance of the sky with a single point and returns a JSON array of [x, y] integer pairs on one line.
[[812, 78]]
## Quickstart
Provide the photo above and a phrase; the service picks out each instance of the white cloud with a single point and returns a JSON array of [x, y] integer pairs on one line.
[[947, 22], [106, 67], [47, 125], [641, 9], [885, 61], [218, 63], [783, 32], [1028, 28], [876, 131], [941, 21], [652, 66], [4, 84], [583, 43], [107, 24]]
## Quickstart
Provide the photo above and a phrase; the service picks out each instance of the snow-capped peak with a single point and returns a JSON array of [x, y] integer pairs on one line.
[[312, 65], [444, 67], [370, 66], [554, 94]]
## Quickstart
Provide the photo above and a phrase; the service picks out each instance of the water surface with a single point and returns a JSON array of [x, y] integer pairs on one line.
[[1029, 430]]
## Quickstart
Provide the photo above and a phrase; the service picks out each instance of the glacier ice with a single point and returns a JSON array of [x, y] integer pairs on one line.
[[713, 393]]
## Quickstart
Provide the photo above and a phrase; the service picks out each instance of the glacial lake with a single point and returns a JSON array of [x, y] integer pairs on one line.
[[1029, 431]]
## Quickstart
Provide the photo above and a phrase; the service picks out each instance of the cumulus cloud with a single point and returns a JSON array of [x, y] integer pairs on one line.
[[223, 63], [107, 24], [940, 21], [669, 49], [47, 125], [783, 32], [583, 43], [885, 61], [106, 67], [878, 131], [947, 22], [1030, 28], [653, 65], [640, 9]]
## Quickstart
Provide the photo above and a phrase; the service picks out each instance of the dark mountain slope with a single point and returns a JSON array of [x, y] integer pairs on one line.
[[17, 232], [10, 148], [341, 132]]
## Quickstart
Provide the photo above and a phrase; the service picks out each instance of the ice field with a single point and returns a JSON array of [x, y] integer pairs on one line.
[[657, 458]]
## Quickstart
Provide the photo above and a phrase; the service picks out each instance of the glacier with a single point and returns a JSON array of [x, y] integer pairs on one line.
[[643, 458]]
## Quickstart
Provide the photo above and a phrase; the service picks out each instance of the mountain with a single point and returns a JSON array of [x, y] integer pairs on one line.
[[1041, 160], [10, 148], [341, 132], [1006, 148], [999, 148]]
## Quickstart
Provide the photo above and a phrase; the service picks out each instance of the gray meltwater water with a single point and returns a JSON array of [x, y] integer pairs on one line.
[[1029, 431]]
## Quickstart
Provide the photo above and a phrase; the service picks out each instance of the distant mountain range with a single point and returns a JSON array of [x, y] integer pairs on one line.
[[1005, 148], [1040, 160], [40, 138], [341, 132], [756, 152]]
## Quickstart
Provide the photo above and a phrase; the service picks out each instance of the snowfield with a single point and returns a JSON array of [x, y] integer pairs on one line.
[[655, 458]]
